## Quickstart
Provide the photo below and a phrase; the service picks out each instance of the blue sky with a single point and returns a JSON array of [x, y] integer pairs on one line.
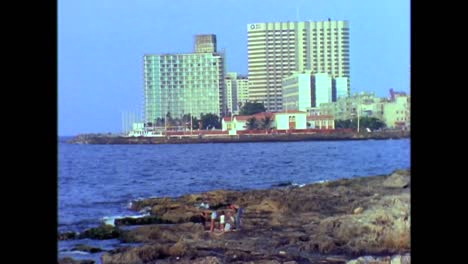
[[101, 44]]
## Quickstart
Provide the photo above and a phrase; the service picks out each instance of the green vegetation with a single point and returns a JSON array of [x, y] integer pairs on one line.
[[364, 122], [209, 121], [266, 122], [250, 108], [252, 123]]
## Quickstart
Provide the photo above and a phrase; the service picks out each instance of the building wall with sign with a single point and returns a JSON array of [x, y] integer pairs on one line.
[[277, 49]]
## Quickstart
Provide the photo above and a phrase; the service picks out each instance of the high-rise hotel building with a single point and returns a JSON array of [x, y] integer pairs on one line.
[[277, 49], [179, 84], [237, 91]]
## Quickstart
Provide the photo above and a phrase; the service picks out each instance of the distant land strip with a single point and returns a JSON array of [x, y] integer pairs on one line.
[[223, 138]]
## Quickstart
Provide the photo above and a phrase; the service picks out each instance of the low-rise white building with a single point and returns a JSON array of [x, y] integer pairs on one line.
[[291, 120], [320, 122], [286, 120]]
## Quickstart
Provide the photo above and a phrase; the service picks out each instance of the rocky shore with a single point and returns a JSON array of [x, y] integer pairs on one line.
[[359, 220], [224, 138]]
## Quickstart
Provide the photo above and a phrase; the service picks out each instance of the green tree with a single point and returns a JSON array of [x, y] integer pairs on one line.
[[343, 123], [266, 122], [371, 122], [364, 122], [169, 119], [250, 108], [209, 121], [252, 123], [159, 122], [195, 123]]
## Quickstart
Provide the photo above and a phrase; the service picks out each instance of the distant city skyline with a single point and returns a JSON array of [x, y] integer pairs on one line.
[[102, 44]]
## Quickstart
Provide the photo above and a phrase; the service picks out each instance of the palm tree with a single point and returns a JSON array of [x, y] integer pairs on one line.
[[266, 122], [252, 123]]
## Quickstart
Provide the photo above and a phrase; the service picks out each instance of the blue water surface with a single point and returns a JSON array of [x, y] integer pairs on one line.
[[97, 181]]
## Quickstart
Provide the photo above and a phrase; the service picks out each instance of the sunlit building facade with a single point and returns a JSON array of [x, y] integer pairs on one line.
[[305, 90], [277, 49], [237, 91], [181, 84]]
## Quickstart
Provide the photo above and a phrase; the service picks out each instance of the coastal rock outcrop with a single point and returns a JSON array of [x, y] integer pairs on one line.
[[68, 260], [329, 222], [398, 179], [397, 259]]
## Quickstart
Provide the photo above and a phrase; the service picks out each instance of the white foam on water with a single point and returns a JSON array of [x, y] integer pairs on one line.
[[298, 185], [321, 181], [110, 220], [78, 252]]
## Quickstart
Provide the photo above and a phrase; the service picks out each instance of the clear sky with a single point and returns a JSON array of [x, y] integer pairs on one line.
[[101, 44]]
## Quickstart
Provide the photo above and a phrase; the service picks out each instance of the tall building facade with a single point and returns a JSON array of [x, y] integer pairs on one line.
[[205, 43], [277, 49], [181, 84], [306, 90], [340, 88], [231, 91], [242, 89], [237, 91]]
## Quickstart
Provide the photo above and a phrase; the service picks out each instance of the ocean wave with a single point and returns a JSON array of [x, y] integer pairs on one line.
[[322, 181], [78, 252], [110, 220]]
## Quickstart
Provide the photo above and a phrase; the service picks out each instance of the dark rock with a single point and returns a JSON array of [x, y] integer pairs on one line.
[[67, 236], [101, 232], [87, 248], [146, 220], [68, 260]]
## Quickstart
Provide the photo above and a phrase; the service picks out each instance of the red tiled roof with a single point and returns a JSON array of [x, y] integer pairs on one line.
[[242, 118]]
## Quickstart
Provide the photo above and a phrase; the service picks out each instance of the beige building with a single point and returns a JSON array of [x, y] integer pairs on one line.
[[277, 49], [397, 111], [205, 43], [347, 107], [280, 121], [237, 91], [320, 122]]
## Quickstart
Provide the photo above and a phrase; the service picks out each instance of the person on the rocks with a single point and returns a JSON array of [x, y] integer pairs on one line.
[[213, 218], [221, 221], [229, 221], [204, 216], [238, 212]]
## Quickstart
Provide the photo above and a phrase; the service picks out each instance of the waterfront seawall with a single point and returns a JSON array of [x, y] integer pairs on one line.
[[224, 138]]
